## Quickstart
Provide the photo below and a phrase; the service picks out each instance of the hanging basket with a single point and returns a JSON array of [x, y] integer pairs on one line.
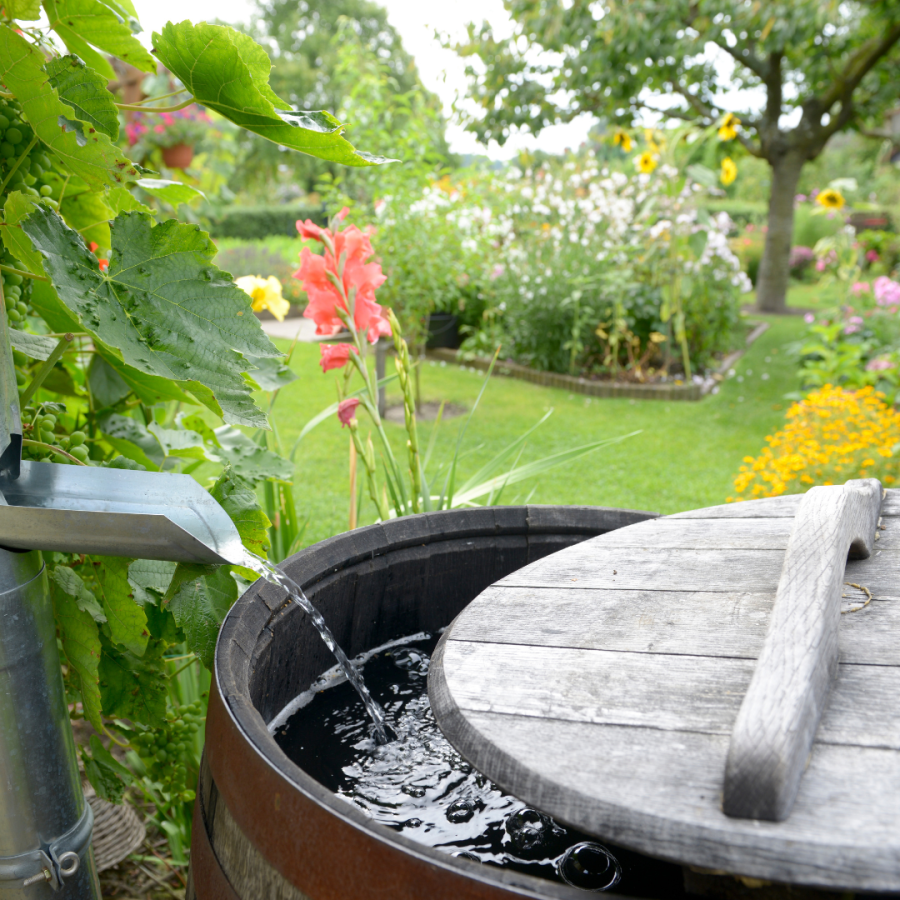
[[179, 156]]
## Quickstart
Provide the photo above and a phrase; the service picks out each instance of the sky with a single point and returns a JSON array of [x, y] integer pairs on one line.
[[442, 71]]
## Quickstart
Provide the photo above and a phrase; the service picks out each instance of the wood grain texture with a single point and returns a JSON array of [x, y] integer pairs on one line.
[[601, 684], [798, 663]]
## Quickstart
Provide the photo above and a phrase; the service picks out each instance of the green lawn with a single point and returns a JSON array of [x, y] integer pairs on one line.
[[816, 296], [684, 457]]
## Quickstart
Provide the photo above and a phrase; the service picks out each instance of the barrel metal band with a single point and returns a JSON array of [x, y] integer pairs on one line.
[[54, 862]]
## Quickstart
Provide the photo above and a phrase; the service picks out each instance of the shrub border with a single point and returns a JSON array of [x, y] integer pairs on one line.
[[665, 391]]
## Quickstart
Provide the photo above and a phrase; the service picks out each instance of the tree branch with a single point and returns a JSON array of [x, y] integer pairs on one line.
[[750, 60]]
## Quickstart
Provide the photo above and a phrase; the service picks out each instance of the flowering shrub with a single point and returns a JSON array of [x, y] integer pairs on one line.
[[145, 131], [829, 437], [800, 260]]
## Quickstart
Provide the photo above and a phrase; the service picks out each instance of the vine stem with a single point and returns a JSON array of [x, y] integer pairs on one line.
[[136, 107], [28, 442], [19, 162], [45, 369], [23, 273]]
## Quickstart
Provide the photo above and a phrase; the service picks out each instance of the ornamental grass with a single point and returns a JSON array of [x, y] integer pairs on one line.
[[830, 436]]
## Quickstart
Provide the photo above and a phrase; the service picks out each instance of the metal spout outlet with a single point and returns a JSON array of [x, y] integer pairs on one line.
[[45, 823]]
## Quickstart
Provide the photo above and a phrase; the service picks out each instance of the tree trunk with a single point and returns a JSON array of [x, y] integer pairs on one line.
[[772, 279]]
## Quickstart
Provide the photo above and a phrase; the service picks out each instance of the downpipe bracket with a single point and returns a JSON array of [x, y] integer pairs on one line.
[[52, 864]]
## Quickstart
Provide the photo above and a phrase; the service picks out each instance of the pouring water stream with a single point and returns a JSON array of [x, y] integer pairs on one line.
[[275, 576]]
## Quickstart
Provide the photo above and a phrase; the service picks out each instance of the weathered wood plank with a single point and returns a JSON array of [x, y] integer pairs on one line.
[[594, 565], [660, 793], [727, 534], [661, 691], [772, 507], [698, 623]]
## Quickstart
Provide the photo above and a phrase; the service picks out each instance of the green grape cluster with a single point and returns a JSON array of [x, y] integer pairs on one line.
[[43, 426], [16, 292], [34, 175], [169, 752]]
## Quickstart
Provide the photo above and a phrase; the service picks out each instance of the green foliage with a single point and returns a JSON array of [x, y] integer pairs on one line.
[[86, 92], [228, 72], [250, 223]]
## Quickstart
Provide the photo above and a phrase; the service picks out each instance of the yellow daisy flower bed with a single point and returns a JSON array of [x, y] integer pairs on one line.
[[830, 436]]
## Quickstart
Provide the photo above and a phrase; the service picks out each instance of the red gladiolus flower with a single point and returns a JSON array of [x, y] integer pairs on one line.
[[347, 410], [334, 356], [360, 280], [104, 264], [93, 246], [342, 214], [308, 230]]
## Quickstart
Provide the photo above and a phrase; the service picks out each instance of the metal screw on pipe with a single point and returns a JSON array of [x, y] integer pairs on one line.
[[43, 875]]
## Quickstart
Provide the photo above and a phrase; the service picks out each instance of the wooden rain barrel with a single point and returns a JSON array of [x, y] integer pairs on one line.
[[263, 828]]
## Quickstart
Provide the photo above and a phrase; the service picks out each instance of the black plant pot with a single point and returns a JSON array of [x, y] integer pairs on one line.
[[263, 827], [443, 331]]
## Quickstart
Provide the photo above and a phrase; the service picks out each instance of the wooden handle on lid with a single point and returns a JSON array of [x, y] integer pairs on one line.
[[777, 722]]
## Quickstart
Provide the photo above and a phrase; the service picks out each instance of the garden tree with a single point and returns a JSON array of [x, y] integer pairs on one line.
[[821, 65], [303, 37], [150, 325]]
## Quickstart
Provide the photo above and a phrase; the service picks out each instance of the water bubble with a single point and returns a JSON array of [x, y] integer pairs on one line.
[[413, 790], [411, 660], [528, 829], [460, 811], [412, 823], [590, 867]]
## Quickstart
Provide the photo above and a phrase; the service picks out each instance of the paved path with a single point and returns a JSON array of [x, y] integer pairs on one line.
[[289, 328]]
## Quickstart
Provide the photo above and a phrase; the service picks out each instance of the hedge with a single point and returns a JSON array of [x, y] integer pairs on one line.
[[253, 222]]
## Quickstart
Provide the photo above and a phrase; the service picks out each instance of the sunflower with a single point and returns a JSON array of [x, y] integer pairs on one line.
[[831, 199], [646, 162], [729, 171], [623, 139], [728, 128]]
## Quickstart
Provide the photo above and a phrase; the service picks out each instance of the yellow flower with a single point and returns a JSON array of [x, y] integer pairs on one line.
[[623, 139], [729, 171], [830, 199], [728, 128], [646, 162], [265, 293]]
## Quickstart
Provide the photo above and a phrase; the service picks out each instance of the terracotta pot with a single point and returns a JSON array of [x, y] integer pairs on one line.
[[179, 156]]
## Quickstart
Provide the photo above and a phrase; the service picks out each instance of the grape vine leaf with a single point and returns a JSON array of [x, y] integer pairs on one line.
[[238, 498], [132, 440], [36, 346], [69, 582], [173, 192], [106, 774], [149, 389], [162, 305], [83, 23], [88, 213], [150, 579], [122, 200], [228, 72], [86, 92], [250, 461], [27, 10], [180, 442], [125, 618], [134, 687], [106, 384], [271, 374], [81, 645], [199, 598], [97, 160]]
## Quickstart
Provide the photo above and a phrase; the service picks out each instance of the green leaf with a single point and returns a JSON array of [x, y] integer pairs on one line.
[[199, 598], [238, 499], [249, 460], [126, 619], [82, 23], [90, 155], [229, 73], [81, 645], [132, 440], [86, 92], [173, 192], [122, 200], [35, 346], [89, 214], [69, 582], [28, 10], [703, 175], [271, 374], [134, 687], [150, 579], [162, 305], [106, 774], [106, 384], [150, 389], [180, 442]]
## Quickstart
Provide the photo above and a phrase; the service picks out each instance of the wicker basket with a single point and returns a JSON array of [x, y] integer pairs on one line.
[[118, 831]]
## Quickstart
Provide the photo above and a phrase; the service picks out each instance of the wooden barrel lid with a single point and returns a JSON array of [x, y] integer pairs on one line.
[[603, 684]]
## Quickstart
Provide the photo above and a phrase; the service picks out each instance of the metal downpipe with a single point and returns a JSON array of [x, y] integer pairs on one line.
[[45, 823]]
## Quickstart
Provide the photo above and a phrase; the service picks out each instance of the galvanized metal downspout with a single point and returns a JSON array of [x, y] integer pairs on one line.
[[45, 823]]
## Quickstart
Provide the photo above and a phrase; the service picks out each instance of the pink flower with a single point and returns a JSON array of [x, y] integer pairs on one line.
[[497, 271], [799, 198], [887, 292], [167, 118], [872, 255], [159, 129], [820, 265], [750, 227], [809, 318], [308, 230], [854, 323], [859, 287], [879, 365], [342, 214], [347, 410], [334, 356]]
